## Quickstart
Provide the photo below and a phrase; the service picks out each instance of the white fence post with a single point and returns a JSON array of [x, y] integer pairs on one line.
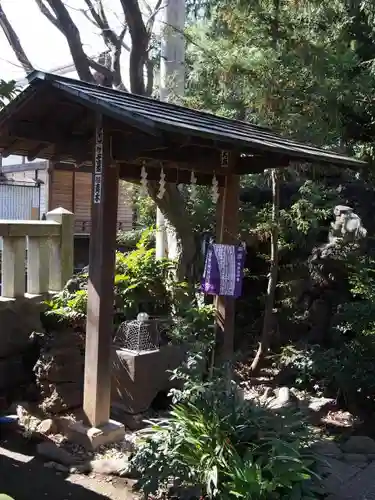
[[50, 254], [37, 265], [62, 249], [13, 266]]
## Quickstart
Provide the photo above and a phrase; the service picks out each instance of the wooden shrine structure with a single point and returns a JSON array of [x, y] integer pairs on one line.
[[113, 134]]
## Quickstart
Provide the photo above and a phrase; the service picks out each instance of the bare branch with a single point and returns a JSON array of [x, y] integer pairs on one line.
[[125, 45], [113, 41], [14, 41], [47, 13], [116, 60], [140, 39], [99, 20], [150, 77], [102, 13], [64, 23], [95, 16], [100, 68], [151, 20], [147, 6]]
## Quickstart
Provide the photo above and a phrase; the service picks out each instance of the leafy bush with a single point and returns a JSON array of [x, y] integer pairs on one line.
[[194, 326], [142, 284], [347, 370], [129, 239], [69, 307], [231, 449], [347, 367], [7, 91], [357, 317]]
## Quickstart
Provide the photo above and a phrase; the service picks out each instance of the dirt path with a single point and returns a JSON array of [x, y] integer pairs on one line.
[[24, 477]]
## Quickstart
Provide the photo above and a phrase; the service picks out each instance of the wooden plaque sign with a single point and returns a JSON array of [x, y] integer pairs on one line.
[[97, 188], [225, 159]]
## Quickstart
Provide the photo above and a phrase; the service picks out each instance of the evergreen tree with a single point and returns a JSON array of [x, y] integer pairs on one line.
[[7, 91], [296, 66]]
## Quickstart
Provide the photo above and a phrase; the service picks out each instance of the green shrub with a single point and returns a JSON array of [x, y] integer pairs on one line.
[[141, 284], [194, 324], [347, 370], [357, 316], [129, 239], [231, 449]]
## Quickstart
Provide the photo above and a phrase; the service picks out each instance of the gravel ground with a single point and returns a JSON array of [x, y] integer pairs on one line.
[[23, 476]]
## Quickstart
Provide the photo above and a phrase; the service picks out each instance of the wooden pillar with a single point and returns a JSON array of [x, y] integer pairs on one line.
[[227, 229], [97, 386]]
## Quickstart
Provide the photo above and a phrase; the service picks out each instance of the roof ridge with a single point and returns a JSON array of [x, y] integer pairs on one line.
[[156, 118], [43, 75]]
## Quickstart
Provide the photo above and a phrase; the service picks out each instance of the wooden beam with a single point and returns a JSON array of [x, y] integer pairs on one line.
[[124, 147], [131, 147], [227, 229], [172, 153], [32, 155], [259, 163], [131, 172], [45, 133], [97, 386], [7, 151], [70, 167]]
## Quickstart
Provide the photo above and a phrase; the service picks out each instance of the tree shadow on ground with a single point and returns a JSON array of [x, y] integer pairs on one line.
[[24, 477]]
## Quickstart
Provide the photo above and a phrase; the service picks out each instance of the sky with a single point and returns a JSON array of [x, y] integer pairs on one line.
[[44, 44]]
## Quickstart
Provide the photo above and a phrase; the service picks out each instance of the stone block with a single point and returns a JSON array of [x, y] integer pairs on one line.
[[18, 319], [359, 487], [138, 378], [327, 448], [335, 473], [58, 398], [12, 373], [92, 437], [59, 367], [359, 444], [357, 459]]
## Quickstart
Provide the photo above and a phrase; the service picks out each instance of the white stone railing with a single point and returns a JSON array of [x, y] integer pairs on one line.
[[50, 254]]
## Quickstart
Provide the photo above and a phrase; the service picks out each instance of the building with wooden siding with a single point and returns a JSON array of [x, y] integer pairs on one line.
[[63, 185]]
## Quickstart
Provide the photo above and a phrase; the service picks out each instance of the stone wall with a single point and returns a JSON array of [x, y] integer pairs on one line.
[[46, 366], [37, 365], [19, 322], [59, 371]]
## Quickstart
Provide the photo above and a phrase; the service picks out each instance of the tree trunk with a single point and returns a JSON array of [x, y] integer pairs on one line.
[[172, 204], [269, 313], [14, 42]]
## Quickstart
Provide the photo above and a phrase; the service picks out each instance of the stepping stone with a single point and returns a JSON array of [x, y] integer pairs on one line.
[[359, 487], [359, 444], [335, 473], [327, 449]]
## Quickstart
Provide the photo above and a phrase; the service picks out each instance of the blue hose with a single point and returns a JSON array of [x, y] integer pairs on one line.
[[9, 419]]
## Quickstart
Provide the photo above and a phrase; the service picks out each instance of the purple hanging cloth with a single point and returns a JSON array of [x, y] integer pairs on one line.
[[223, 270]]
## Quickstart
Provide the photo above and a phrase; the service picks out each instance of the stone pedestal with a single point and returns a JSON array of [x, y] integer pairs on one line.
[[137, 378], [93, 437]]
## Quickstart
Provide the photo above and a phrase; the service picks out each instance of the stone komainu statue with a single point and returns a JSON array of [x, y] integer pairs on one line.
[[328, 270], [347, 227]]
